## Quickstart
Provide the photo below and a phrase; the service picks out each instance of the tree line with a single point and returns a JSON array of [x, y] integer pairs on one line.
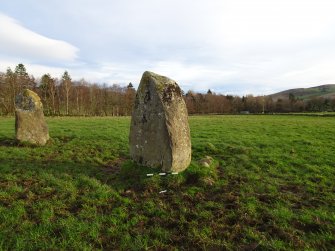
[[64, 96], [211, 103]]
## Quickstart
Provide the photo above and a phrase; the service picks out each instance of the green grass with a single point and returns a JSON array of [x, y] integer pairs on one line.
[[270, 187]]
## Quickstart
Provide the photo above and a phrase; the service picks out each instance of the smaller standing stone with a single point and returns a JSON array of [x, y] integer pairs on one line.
[[30, 125]]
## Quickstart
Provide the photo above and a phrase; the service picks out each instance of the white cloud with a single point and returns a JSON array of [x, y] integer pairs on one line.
[[229, 46], [21, 43]]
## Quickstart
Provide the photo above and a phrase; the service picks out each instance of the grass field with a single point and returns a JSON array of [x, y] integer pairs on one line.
[[271, 186]]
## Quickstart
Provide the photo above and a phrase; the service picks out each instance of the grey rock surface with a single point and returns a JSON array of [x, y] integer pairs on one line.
[[159, 132], [30, 125]]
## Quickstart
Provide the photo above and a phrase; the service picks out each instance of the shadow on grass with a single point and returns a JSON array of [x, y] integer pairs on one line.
[[120, 174], [12, 142], [8, 142]]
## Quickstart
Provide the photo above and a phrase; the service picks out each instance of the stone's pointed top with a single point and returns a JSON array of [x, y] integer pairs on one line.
[[28, 101], [158, 79], [166, 88], [150, 73], [29, 93], [154, 75]]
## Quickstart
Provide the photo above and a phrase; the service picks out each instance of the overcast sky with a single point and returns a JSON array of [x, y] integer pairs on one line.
[[230, 46]]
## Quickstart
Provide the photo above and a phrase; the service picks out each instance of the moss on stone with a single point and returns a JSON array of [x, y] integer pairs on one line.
[[29, 93], [30, 100], [160, 81]]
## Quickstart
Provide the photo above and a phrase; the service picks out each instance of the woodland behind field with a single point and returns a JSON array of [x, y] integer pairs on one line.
[[64, 96]]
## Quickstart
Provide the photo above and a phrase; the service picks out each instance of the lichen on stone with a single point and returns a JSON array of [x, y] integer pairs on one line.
[[28, 101]]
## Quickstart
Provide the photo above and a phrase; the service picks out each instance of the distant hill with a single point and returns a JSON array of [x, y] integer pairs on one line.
[[325, 91]]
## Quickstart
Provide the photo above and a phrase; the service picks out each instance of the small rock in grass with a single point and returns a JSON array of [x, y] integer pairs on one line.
[[206, 162]]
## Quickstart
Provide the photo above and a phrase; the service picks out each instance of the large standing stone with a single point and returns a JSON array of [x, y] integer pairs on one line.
[[159, 131], [30, 125]]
